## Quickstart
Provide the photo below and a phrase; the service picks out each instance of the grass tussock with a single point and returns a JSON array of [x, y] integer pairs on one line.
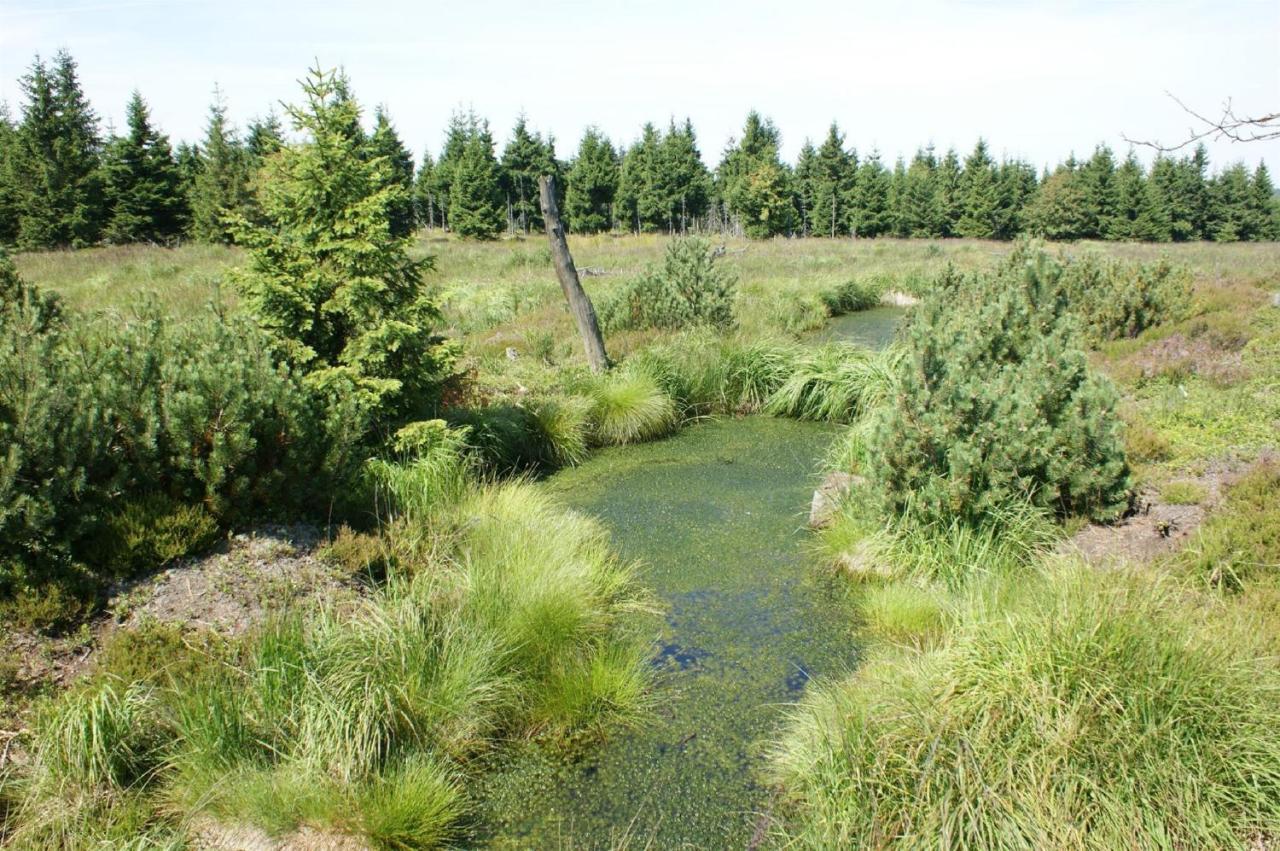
[[834, 383], [628, 407], [1090, 712], [516, 621]]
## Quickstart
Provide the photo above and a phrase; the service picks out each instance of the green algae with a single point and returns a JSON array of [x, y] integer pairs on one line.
[[716, 515], [872, 328]]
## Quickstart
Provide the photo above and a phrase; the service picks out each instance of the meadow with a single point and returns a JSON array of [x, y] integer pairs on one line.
[[1012, 687]]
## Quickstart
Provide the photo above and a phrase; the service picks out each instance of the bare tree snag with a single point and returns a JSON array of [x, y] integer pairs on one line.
[[583, 313]]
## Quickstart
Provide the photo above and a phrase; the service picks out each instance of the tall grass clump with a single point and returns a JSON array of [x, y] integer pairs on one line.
[[949, 553], [1093, 712], [834, 383], [854, 295], [364, 718], [706, 373], [628, 406], [434, 475]]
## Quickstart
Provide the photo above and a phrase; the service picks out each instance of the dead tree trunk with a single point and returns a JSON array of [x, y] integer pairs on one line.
[[583, 313]]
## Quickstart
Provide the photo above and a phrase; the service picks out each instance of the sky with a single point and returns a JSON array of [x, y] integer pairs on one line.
[[1039, 80]]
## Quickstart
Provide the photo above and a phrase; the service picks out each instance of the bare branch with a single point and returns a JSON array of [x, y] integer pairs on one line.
[[1229, 126]]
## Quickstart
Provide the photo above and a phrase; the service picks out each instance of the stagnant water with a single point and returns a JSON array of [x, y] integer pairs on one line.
[[716, 515]]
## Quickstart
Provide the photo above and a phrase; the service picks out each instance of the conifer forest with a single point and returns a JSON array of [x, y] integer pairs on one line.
[[616, 492]]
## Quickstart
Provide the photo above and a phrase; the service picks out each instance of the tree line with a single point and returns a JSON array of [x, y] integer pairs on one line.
[[64, 183]]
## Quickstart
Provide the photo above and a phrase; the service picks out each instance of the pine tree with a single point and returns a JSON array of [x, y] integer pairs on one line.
[[753, 182], [1138, 215], [327, 276], [978, 194], [870, 215], [56, 167], [833, 182], [142, 182], [592, 184], [684, 180], [221, 188], [385, 142], [475, 193]]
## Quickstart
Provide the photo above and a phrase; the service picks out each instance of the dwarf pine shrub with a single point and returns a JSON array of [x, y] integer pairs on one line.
[[690, 289], [194, 417], [996, 405]]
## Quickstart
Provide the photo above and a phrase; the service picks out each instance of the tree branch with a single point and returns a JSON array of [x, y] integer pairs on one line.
[[1229, 126]]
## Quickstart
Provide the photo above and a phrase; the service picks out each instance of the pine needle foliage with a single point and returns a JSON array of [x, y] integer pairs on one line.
[[996, 404]]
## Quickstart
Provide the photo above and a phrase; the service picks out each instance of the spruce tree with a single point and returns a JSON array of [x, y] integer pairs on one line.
[[56, 160], [642, 203], [426, 195], [1138, 213], [475, 192], [455, 143], [385, 142], [1058, 211], [978, 194], [683, 177], [950, 192], [804, 185], [871, 216], [8, 188], [1097, 187], [1230, 200], [142, 183], [221, 189], [592, 184], [526, 158], [899, 218], [328, 278], [754, 183], [833, 184], [920, 213], [1264, 205], [264, 137], [1015, 189]]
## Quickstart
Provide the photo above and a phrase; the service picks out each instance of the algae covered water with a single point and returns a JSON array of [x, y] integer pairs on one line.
[[716, 514]]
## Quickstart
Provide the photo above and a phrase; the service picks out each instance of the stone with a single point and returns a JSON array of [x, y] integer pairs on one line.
[[826, 499]]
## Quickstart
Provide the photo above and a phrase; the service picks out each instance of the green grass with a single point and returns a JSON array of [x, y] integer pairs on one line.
[[628, 407], [834, 383], [1091, 711], [506, 616]]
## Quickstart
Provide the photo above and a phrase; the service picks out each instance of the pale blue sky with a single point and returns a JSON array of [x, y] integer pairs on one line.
[[1038, 79]]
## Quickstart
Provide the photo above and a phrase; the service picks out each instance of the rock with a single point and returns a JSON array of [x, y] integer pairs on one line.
[[512, 354], [826, 499], [896, 298], [1275, 299]]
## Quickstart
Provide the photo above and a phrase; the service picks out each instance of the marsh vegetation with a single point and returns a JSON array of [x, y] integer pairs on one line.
[[575, 608]]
